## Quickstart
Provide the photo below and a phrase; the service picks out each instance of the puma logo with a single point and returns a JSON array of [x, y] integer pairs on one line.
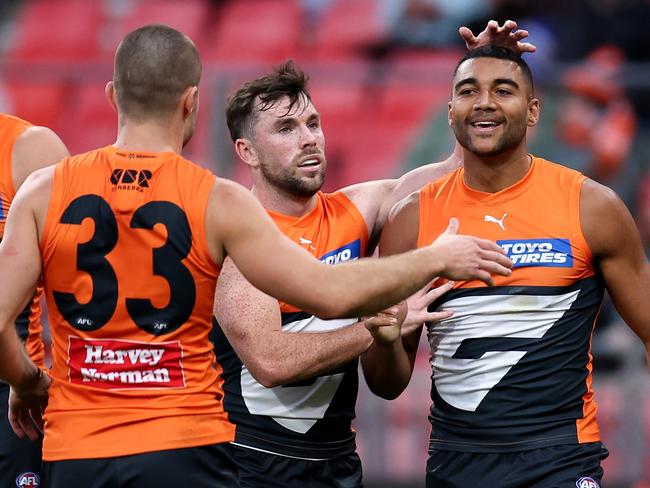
[[307, 242], [494, 220]]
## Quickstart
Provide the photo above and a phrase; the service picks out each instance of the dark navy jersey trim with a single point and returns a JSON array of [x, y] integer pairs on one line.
[[289, 317], [478, 447], [296, 448], [514, 290]]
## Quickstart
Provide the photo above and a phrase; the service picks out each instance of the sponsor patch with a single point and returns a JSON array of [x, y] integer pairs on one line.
[[119, 364], [348, 252], [28, 480], [553, 253], [587, 482]]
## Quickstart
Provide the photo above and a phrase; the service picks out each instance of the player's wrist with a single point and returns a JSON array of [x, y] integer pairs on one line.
[[30, 381]]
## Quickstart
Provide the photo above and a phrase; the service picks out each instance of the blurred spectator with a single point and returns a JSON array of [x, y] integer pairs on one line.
[[597, 115], [430, 23]]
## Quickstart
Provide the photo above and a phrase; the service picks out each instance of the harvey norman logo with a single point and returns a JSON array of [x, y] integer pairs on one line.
[[119, 364], [344, 253], [538, 252]]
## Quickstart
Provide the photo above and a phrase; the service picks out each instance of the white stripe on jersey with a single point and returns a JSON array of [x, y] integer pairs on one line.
[[296, 408], [464, 383]]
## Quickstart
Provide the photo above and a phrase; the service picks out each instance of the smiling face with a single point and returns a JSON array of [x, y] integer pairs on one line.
[[491, 106], [288, 146]]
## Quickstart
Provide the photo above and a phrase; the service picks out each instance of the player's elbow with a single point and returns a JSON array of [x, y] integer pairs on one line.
[[269, 373]]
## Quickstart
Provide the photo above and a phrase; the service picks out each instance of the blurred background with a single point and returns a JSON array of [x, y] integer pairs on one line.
[[380, 76]]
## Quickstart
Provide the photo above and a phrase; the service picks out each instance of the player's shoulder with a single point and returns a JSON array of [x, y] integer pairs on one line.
[[12, 121], [406, 206], [549, 168], [596, 197]]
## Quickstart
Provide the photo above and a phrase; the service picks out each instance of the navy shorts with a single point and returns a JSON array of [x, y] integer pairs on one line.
[[198, 467], [258, 469], [20, 459], [565, 466]]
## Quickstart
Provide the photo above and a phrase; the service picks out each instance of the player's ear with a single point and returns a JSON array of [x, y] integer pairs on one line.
[[449, 111], [533, 112], [190, 101], [109, 91], [246, 152]]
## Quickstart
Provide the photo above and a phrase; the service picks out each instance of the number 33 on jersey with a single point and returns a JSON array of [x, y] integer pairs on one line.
[[130, 292]]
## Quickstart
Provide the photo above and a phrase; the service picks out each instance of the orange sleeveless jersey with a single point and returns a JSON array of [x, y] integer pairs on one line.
[[333, 231], [310, 418], [130, 288], [28, 322], [512, 367]]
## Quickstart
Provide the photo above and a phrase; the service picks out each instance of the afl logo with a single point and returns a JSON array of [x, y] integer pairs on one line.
[[587, 483], [28, 480]]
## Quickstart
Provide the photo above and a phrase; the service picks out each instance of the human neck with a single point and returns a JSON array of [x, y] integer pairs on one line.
[[149, 136], [277, 200], [491, 174]]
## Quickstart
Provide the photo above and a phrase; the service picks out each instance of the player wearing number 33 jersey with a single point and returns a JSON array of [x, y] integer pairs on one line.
[[140, 347]]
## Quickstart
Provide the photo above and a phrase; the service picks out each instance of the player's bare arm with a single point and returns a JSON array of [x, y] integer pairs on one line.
[[20, 261], [400, 234], [387, 347], [271, 262], [614, 240], [252, 323], [34, 149], [379, 361], [374, 199]]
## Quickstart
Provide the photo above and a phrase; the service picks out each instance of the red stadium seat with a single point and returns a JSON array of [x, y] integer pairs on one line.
[[58, 30], [187, 16], [348, 26], [255, 30], [93, 121], [38, 103]]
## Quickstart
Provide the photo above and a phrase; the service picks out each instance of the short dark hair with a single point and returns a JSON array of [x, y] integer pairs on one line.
[[285, 80], [154, 65], [499, 52]]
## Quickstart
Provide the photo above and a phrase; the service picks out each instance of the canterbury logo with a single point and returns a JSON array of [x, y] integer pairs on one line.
[[494, 220], [131, 177]]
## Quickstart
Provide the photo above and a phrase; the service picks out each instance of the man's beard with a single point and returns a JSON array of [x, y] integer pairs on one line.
[[292, 184], [507, 141]]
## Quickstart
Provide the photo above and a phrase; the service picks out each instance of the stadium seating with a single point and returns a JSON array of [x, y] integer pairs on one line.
[[58, 30], [255, 30]]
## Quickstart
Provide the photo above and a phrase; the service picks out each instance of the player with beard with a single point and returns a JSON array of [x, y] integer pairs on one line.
[[129, 240], [513, 404], [291, 378]]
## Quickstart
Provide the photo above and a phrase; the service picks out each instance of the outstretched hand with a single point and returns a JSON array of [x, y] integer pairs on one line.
[[418, 307], [26, 408], [506, 36], [470, 258]]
